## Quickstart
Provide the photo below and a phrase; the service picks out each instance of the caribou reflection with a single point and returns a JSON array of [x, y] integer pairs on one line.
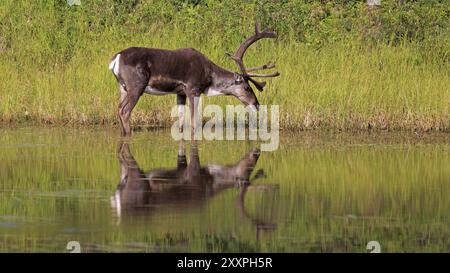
[[188, 185]]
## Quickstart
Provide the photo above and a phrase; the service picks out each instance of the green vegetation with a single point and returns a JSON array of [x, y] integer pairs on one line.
[[343, 65], [335, 193]]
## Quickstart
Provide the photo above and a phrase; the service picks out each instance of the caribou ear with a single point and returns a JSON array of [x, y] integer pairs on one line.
[[258, 85]]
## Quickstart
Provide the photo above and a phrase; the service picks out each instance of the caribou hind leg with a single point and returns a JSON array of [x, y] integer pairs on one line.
[[132, 82], [123, 95], [128, 100], [126, 106], [135, 81]]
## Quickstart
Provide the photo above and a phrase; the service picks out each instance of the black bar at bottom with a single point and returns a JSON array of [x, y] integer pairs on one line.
[[225, 262]]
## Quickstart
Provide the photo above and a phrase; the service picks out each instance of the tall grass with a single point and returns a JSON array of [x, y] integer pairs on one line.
[[342, 65]]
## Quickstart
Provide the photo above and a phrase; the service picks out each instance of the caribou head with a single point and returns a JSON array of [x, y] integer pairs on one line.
[[240, 86]]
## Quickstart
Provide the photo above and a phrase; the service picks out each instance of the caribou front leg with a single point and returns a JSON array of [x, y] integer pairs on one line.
[[194, 98], [181, 103]]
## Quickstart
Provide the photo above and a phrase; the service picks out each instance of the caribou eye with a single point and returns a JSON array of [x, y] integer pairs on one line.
[[238, 79]]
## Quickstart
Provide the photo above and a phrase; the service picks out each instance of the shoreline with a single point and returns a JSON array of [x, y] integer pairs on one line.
[[142, 128], [320, 124]]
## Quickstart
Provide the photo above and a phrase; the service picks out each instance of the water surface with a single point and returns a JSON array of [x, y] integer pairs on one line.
[[317, 193]]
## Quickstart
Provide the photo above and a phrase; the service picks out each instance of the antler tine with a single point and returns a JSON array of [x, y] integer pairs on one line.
[[261, 67], [257, 27], [258, 85], [275, 74]]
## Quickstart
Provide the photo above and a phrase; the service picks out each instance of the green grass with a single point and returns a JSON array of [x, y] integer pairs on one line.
[[395, 75]]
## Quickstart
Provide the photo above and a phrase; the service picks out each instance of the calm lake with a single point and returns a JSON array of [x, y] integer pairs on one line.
[[319, 192]]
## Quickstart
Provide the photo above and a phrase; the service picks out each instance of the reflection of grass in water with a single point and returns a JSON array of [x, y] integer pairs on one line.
[[331, 197]]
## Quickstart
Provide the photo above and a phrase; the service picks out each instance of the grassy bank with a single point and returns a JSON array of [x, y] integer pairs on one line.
[[342, 65]]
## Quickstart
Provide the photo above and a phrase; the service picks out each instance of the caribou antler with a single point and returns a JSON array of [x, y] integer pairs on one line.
[[275, 74], [238, 58], [261, 67]]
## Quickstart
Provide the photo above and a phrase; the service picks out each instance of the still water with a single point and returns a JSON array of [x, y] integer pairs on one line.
[[327, 192]]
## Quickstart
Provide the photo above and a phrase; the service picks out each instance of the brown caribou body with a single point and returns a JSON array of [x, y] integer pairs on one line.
[[184, 72]]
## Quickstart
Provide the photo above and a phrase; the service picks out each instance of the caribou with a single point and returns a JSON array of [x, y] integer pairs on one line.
[[187, 73]]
